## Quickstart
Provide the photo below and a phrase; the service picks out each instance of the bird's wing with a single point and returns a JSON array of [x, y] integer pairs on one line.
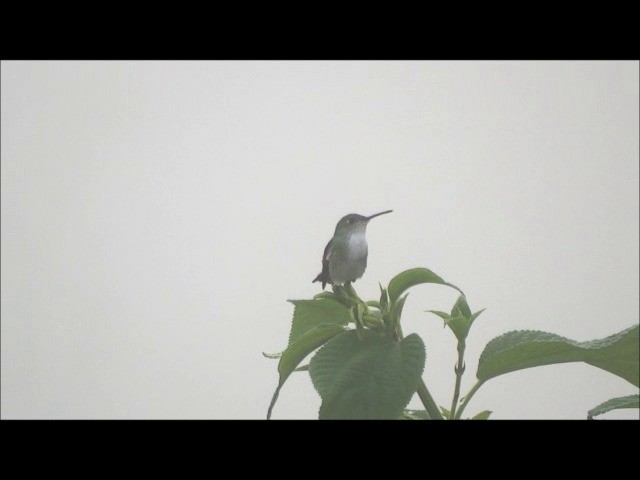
[[327, 253], [324, 275]]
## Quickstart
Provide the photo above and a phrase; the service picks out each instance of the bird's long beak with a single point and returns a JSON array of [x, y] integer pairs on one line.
[[377, 214]]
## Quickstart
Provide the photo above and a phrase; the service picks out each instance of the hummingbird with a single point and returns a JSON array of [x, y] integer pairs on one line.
[[345, 256]]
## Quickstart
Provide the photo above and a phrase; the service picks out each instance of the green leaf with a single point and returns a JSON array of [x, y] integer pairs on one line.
[[415, 415], [461, 318], [273, 356], [308, 314], [298, 351], [384, 300], [356, 314], [304, 368], [329, 295], [459, 324], [618, 354], [409, 278], [443, 315], [631, 401], [484, 415], [336, 297], [461, 308], [372, 378], [343, 295], [373, 321], [475, 315], [396, 309], [446, 413]]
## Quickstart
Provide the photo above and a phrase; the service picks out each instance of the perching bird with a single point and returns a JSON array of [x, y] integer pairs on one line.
[[345, 256]]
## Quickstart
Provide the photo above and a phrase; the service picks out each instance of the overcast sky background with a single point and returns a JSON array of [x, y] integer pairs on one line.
[[156, 216]]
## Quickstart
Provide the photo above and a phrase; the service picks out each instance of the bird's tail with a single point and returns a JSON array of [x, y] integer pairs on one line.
[[321, 278]]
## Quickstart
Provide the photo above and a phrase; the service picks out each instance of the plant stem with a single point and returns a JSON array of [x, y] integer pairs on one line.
[[467, 397], [459, 371], [428, 402], [423, 392], [354, 296], [372, 322]]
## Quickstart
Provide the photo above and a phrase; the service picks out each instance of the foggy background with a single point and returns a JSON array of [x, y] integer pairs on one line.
[[156, 216]]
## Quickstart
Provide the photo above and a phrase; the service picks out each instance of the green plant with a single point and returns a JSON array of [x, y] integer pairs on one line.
[[372, 371]]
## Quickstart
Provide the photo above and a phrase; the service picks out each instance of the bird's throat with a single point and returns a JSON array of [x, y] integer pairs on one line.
[[356, 243]]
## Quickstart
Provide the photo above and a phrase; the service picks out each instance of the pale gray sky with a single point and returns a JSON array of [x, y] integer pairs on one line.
[[156, 216]]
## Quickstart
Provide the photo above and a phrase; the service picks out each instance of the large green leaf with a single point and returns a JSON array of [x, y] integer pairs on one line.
[[372, 378], [618, 354], [298, 350], [415, 276], [308, 314], [631, 401]]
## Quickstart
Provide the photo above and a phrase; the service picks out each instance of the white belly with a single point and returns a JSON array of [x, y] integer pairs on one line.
[[349, 264]]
